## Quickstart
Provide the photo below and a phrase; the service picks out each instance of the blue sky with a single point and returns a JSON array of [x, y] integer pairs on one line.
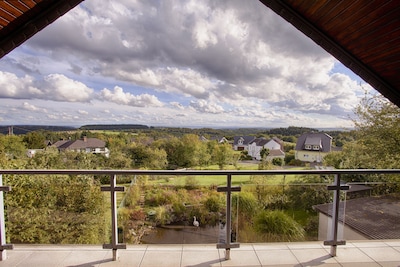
[[176, 63]]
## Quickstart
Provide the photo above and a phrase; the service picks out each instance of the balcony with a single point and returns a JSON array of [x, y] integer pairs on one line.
[[331, 252]]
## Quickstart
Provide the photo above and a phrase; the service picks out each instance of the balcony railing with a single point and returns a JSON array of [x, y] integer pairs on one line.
[[336, 187]]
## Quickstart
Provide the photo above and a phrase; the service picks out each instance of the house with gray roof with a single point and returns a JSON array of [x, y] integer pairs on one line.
[[363, 218], [313, 147], [242, 142], [86, 145]]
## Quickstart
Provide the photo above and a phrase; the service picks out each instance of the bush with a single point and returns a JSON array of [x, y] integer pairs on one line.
[[213, 203], [279, 224], [191, 183]]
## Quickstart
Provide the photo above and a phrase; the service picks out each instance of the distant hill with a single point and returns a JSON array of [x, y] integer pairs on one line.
[[291, 130], [24, 129], [113, 127]]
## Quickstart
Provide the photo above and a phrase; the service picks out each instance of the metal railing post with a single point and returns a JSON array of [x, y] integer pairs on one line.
[[113, 188], [3, 245], [228, 189], [336, 187]]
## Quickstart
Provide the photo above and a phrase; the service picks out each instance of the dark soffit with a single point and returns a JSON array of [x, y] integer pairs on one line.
[[21, 19]]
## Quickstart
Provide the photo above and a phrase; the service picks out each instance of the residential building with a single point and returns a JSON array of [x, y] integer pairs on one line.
[[363, 218], [241, 143], [274, 146], [313, 147], [87, 145]]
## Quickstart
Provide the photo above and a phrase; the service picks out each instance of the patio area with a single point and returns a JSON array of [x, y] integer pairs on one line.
[[359, 253]]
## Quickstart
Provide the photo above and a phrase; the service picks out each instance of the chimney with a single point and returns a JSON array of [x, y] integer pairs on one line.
[[85, 139]]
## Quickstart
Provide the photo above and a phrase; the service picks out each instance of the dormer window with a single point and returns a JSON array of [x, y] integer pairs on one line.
[[316, 147], [240, 142], [313, 143]]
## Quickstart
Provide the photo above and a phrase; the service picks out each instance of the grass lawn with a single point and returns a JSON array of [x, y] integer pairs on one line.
[[207, 180]]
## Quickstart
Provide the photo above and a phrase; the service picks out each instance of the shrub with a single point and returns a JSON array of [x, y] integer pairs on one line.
[[191, 183], [279, 224]]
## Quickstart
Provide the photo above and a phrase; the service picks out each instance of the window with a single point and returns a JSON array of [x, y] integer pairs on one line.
[[308, 147]]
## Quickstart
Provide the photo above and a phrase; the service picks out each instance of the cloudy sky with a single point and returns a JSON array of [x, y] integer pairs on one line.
[[179, 63]]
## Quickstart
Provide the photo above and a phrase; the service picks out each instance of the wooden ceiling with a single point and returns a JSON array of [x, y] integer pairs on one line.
[[363, 34], [21, 19]]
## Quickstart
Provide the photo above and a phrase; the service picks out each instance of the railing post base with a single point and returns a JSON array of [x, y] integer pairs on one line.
[[3, 255], [115, 254], [227, 254]]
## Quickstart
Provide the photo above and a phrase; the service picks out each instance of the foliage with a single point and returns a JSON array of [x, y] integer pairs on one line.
[[191, 183], [277, 161], [222, 155], [12, 147], [247, 204], [55, 209], [377, 134], [213, 203], [35, 140], [279, 224], [305, 192], [264, 153]]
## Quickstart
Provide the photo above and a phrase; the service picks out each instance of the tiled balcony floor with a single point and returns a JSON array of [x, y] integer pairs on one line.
[[360, 253]]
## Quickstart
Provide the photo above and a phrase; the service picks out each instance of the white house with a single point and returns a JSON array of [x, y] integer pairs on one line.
[[274, 145]]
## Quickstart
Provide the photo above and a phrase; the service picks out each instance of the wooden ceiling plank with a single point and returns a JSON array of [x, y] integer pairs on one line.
[[344, 24], [381, 31], [20, 6], [10, 8], [3, 22], [28, 3], [341, 20], [307, 6], [6, 15]]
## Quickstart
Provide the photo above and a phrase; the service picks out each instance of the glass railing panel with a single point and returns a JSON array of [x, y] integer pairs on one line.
[[55, 209], [277, 212], [172, 210]]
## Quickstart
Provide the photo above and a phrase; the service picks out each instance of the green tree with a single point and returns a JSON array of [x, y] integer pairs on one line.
[[222, 155], [12, 147], [35, 140], [305, 192], [378, 131]]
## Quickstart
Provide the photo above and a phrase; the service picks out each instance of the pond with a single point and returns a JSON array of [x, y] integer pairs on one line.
[[185, 234]]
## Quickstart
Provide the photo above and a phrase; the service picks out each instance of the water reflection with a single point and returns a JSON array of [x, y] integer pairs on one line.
[[185, 234]]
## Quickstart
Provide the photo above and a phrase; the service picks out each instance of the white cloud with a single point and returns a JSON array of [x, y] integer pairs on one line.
[[60, 88], [120, 97], [204, 106]]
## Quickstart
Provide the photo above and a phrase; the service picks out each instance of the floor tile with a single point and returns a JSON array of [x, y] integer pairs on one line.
[[314, 257], [157, 258], [241, 258], [270, 246], [361, 264], [276, 257], [131, 258], [382, 254], [351, 255], [201, 258]]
